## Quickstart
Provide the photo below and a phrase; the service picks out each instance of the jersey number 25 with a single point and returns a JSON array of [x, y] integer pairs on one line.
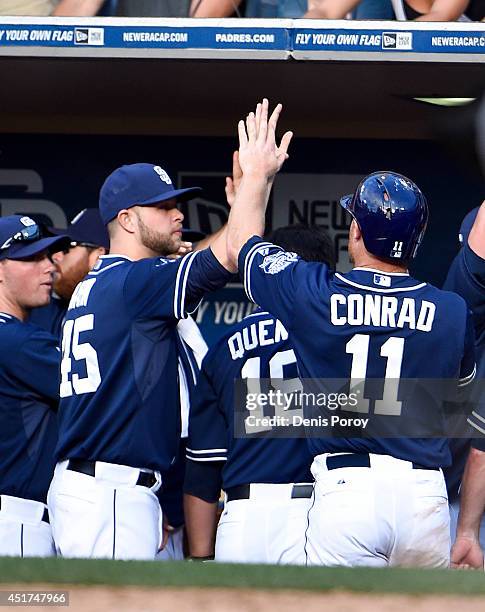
[[72, 348]]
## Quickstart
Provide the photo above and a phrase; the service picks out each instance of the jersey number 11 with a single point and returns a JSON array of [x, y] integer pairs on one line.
[[393, 350]]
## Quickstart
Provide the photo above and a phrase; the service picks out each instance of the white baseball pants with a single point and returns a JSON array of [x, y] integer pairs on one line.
[[104, 516], [23, 532], [388, 514], [269, 527]]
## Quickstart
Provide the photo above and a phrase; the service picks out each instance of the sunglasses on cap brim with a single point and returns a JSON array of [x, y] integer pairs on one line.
[[26, 234]]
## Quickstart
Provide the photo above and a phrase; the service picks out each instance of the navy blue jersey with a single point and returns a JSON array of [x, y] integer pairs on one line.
[[29, 395], [50, 317], [466, 277], [119, 380], [365, 324], [267, 353]]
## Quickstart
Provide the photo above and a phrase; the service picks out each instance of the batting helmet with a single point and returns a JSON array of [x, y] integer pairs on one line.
[[391, 213]]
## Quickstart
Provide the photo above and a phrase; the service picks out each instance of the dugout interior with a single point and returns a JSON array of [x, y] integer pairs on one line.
[[67, 120]]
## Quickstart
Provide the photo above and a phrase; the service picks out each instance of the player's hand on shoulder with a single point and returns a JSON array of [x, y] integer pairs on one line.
[[466, 553], [259, 154]]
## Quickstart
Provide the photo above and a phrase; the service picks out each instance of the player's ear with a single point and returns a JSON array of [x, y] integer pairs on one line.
[[127, 220], [355, 233]]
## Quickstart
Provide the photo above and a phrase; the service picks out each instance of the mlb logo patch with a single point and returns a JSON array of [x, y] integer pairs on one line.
[[382, 280], [399, 41]]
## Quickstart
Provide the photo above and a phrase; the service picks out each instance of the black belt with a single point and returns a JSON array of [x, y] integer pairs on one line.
[[45, 515], [145, 479], [299, 491], [354, 460]]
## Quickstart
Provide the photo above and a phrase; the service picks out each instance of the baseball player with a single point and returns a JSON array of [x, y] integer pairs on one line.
[[119, 419], [267, 482], [29, 389], [377, 501], [89, 240], [466, 277]]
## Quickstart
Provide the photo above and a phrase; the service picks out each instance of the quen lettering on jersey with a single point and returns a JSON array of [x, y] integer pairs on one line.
[[260, 333]]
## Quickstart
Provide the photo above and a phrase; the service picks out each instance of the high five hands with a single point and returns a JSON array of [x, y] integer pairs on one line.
[[259, 154]]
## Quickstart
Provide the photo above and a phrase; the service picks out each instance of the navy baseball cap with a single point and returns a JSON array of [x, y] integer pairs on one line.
[[87, 228], [21, 237], [466, 225], [137, 185]]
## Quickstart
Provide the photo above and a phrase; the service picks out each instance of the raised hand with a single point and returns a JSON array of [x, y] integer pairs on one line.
[[259, 154], [232, 183], [254, 167]]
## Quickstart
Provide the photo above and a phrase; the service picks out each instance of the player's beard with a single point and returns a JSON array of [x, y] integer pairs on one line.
[[163, 244], [66, 281]]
